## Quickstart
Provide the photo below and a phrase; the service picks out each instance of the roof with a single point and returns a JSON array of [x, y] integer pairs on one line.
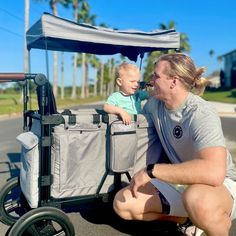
[[226, 54], [55, 33]]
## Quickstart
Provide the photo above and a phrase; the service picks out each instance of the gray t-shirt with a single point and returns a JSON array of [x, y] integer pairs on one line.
[[193, 126]]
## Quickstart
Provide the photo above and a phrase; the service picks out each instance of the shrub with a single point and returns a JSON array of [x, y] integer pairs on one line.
[[233, 92]]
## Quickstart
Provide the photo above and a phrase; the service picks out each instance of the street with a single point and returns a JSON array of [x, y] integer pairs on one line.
[[88, 219]]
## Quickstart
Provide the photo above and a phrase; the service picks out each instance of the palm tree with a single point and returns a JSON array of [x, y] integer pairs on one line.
[[211, 52], [184, 44], [75, 5], [89, 60], [26, 53], [111, 76], [95, 65], [55, 55], [86, 60], [101, 77], [53, 6], [84, 16], [151, 58], [62, 76], [83, 62]]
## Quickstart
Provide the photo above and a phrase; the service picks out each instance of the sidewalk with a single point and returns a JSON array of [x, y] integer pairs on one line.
[[225, 109]]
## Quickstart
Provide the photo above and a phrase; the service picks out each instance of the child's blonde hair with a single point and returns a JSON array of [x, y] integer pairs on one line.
[[124, 67]]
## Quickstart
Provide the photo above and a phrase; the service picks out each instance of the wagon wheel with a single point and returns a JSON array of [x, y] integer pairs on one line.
[[10, 205], [46, 221]]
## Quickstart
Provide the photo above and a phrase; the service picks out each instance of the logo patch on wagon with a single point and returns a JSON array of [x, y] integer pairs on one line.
[[177, 131]]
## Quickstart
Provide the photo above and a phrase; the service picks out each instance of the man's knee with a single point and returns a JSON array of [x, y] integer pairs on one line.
[[202, 208], [117, 206], [196, 202], [120, 205]]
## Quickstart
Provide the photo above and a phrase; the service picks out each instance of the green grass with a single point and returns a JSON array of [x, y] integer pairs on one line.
[[11, 103], [227, 96]]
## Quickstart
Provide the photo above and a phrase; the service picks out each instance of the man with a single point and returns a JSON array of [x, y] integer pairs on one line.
[[198, 182]]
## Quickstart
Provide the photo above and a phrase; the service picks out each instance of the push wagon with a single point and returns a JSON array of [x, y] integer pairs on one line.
[[73, 156]]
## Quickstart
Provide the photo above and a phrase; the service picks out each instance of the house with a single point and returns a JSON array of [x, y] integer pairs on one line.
[[228, 75], [214, 78]]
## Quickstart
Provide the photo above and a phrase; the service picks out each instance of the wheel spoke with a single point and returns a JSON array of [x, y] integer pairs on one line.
[[60, 233], [33, 231], [11, 206]]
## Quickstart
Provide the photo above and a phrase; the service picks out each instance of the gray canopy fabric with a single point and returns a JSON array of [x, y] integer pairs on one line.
[[54, 33]]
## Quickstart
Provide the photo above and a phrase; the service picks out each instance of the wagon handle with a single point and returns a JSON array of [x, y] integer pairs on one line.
[[15, 77]]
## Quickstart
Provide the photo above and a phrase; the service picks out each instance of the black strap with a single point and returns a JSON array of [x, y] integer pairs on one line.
[[72, 119], [165, 204]]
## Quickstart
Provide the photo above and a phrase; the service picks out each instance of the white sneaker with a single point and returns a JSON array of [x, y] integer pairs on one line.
[[190, 230], [193, 231]]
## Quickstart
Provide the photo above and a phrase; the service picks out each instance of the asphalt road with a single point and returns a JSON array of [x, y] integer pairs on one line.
[[88, 219]]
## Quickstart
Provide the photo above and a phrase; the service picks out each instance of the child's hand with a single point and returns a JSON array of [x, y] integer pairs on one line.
[[126, 118], [152, 92]]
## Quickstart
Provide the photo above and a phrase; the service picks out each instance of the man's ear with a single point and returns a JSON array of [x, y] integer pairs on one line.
[[118, 81], [174, 82]]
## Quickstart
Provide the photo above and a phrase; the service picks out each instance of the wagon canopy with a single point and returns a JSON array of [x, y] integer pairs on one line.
[[58, 34]]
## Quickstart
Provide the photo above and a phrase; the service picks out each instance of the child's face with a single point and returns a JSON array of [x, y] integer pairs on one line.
[[129, 82]]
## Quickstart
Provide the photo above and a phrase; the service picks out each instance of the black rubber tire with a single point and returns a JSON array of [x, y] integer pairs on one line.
[[29, 221], [10, 206]]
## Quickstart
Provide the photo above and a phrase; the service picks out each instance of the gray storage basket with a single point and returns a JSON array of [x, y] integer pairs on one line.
[[123, 146], [80, 155], [132, 146]]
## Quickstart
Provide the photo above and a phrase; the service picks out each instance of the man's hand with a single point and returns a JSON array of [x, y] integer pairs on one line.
[[139, 179]]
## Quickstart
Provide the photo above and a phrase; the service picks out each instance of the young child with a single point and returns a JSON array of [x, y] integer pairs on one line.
[[128, 100]]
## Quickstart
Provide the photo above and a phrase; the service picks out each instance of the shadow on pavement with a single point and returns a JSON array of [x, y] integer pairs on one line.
[[102, 213], [10, 168]]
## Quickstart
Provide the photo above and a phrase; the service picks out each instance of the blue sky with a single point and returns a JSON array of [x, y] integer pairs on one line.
[[209, 24]]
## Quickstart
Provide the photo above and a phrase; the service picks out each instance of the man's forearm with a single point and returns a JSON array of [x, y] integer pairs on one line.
[[209, 170]]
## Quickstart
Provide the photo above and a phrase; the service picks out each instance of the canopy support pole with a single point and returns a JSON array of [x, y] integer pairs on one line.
[[46, 55], [141, 57]]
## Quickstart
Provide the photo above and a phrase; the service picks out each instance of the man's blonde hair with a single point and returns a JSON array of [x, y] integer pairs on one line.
[[183, 66]]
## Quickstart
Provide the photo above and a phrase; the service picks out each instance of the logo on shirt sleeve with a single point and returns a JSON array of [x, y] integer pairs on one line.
[[177, 132]]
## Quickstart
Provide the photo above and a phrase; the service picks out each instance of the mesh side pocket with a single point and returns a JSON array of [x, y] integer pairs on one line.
[[123, 147]]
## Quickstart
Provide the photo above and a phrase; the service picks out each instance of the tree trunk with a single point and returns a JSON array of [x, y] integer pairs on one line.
[[113, 72], [62, 76], [26, 53], [83, 76], [55, 56], [86, 80], [55, 74], [95, 82], [101, 79], [74, 82]]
